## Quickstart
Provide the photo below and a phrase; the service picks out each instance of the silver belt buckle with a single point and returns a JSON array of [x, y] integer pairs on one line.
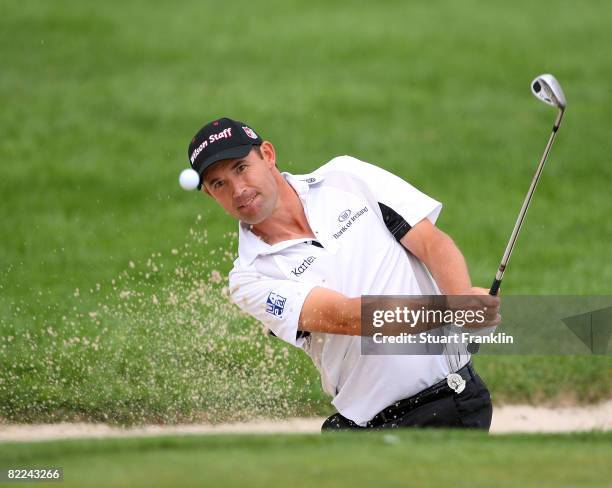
[[455, 382]]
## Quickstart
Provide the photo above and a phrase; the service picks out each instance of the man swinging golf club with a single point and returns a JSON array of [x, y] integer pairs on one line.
[[311, 246]]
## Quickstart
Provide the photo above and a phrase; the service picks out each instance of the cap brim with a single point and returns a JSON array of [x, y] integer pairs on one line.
[[231, 153]]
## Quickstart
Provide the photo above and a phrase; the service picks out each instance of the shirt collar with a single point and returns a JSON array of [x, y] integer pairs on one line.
[[250, 246]]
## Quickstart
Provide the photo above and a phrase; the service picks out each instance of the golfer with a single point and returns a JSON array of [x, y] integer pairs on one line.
[[311, 245]]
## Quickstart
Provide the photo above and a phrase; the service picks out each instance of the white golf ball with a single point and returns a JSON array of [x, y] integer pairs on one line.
[[189, 179]]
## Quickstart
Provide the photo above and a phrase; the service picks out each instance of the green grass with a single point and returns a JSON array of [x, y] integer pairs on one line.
[[362, 459], [100, 100]]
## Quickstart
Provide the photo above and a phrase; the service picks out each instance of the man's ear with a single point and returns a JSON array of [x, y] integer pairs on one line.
[[269, 153]]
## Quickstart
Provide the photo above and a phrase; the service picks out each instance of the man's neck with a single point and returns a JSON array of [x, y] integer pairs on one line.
[[288, 221]]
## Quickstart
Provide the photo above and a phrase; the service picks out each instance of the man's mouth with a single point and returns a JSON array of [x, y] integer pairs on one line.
[[247, 203]]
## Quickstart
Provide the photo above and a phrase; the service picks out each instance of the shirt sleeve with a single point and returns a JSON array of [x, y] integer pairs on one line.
[[401, 204], [276, 303]]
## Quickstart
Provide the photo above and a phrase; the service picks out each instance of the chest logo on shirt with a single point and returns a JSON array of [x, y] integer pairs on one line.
[[297, 271], [348, 222], [344, 215]]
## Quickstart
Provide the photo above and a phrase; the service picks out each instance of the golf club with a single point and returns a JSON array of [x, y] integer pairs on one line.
[[547, 89]]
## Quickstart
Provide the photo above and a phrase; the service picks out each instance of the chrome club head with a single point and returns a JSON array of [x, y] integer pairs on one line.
[[547, 88]]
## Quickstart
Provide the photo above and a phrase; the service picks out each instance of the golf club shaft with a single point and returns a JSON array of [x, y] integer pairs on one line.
[[521, 217]]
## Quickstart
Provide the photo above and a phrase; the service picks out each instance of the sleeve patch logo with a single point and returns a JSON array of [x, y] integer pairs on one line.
[[275, 304]]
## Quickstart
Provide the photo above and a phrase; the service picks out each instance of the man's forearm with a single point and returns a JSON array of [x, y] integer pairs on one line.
[[328, 311]]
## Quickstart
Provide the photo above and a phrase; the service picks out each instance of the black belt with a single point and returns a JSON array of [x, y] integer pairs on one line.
[[402, 407]]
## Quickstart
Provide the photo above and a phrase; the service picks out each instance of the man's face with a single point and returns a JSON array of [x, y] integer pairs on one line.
[[246, 188]]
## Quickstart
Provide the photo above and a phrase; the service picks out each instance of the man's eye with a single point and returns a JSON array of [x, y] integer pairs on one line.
[[241, 168], [217, 185]]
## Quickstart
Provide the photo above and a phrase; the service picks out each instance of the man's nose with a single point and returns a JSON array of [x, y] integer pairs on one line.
[[237, 189]]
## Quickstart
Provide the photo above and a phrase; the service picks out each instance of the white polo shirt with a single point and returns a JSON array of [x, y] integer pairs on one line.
[[358, 213]]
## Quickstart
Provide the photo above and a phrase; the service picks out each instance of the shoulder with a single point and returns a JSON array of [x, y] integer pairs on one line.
[[347, 165], [241, 272], [344, 163], [350, 166], [260, 269], [341, 167]]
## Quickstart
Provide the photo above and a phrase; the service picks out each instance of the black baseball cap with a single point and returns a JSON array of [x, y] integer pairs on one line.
[[220, 139]]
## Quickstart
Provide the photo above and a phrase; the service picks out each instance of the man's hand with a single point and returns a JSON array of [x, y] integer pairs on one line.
[[476, 298], [476, 290]]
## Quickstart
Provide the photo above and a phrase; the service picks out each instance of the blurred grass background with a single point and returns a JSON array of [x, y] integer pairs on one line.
[[361, 458], [100, 100]]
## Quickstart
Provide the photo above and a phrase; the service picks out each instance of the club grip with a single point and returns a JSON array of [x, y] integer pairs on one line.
[[495, 287]]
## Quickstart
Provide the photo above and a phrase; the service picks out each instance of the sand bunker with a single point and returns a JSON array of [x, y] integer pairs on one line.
[[505, 419]]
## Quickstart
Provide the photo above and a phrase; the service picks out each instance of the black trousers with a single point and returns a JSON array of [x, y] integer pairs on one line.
[[471, 409]]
